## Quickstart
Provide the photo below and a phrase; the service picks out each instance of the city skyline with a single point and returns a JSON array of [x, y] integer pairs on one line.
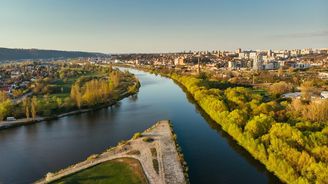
[[148, 27]]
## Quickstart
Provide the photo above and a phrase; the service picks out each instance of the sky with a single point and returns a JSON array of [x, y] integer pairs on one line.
[[146, 26]]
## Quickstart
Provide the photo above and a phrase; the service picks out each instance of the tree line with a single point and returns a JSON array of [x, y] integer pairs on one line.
[[86, 91], [282, 135]]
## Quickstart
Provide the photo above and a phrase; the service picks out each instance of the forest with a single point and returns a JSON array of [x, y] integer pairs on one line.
[[289, 137]]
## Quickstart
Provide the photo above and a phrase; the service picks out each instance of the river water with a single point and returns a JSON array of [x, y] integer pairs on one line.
[[27, 153]]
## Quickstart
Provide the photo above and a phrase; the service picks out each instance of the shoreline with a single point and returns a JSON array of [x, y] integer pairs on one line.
[[170, 168], [183, 87], [22, 122]]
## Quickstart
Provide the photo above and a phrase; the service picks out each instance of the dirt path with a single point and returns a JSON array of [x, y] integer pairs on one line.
[[156, 143]]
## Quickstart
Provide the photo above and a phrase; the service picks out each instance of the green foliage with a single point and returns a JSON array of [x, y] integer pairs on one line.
[[137, 135], [280, 88], [295, 150], [6, 107], [148, 139], [259, 125], [238, 117]]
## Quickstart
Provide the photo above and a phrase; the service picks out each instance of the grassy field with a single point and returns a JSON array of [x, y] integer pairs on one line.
[[118, 171], [63, 87]]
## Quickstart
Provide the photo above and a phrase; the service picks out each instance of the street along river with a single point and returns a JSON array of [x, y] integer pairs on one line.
[[28, 152]]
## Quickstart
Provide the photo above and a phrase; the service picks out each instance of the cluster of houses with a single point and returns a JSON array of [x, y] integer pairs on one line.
[[20, 76]]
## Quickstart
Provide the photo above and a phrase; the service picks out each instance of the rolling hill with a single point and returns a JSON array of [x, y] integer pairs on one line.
[[19, 54]]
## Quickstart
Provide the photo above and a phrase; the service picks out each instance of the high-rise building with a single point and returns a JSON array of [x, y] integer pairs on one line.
[[257, 62]]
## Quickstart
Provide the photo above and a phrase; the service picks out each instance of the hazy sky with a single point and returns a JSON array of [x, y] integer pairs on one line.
[[163, 25]]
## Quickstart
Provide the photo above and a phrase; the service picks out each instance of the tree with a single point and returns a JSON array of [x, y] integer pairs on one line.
[[5, 108], [76, 95], [34, 104], [17, 92], [202, 75], [307, 90], [259, 125], [5, 105], [279, 88], [280, 72], [3, 96], [238, 117], [114, 79], [26, 104], [290, 70]]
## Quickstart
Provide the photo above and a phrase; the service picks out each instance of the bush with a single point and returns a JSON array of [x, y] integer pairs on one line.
[[148, 139], [137, 135], [92, 157]]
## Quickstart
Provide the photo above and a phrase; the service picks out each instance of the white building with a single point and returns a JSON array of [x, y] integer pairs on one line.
[[295, 52], [292, 95], [243, 55], [271, 66], [323, 75], [257, 61], [302, 65], [324, 95], [306, 51]]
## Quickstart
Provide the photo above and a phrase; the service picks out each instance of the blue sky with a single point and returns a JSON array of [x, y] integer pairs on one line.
[[124, 26]]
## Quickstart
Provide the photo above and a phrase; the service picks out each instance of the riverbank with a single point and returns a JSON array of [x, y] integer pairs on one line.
[[225, 127], [265, 151], [155, 149], [25, 121]]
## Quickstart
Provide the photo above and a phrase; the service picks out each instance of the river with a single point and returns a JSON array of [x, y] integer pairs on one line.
[[27, 153]]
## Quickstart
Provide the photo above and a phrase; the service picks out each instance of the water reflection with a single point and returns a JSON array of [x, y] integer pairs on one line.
[[29, 152]]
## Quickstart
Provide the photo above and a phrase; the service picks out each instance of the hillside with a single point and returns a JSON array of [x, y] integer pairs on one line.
[[18, 54]]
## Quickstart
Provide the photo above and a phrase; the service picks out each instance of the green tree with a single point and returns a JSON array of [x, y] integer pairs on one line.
[[5, 108], [259, 125], [34, 104], [114, 79], [307, 90], [76, 95], [26, 107], [280, 88], [238, 117]]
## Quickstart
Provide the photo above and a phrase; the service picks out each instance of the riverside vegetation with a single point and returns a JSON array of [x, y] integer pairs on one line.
[[289, 137], [72, 88]]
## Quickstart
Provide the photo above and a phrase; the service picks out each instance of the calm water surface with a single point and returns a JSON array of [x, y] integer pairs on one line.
[[27, 153]]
